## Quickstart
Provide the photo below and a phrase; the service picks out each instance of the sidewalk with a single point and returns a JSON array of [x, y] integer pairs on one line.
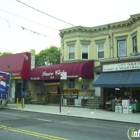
[[79, 112]]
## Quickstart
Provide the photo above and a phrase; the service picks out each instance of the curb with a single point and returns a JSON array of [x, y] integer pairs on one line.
[[73, 116]]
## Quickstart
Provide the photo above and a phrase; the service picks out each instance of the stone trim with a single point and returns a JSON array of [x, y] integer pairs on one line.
[[71, 43], [100, 41], [85, 42], [134, 34], [121, 37]]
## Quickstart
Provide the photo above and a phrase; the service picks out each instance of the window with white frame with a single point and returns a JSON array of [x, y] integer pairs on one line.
[[85, 48], [134, 42], [121, 45], [71, 52], [71, 49], [100, 50], [71, 83], [84, 51], [122, 48]]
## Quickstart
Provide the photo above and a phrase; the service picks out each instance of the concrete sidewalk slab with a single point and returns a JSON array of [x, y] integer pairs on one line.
[[79, 112]]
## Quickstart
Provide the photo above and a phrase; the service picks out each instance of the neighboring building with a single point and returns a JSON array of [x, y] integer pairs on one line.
[[110, 42], [120, 78], [19, 67], [62, 78], [84, 52]]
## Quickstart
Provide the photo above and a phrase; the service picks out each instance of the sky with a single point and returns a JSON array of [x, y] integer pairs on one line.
[[23, 28]]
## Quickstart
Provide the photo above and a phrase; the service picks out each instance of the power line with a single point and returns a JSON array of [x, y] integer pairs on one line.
[[28, 19], [5, 49], [24, 28], [44, 13]]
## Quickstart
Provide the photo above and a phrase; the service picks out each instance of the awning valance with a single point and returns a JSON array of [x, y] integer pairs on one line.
[[82, 69], [118, 79]]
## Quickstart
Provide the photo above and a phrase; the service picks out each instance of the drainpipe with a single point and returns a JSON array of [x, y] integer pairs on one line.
[[109, 45], [109, 38], [112, 45]]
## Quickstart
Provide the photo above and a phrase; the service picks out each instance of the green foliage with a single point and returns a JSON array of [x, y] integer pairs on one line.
[[45, 95], [28, 97], [5, 53], [47, 56]]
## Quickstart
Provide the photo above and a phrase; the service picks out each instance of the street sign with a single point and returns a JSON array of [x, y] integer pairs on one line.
[[63, 75]]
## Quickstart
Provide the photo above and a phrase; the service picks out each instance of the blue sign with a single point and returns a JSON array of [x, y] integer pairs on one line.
[[23, 94], [4, 84], [3, 95]]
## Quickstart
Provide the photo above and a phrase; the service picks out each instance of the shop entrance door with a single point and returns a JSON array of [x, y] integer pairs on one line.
[[18, 92]]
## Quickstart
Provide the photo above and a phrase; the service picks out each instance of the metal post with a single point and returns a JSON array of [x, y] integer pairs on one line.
[[17, 103], [22, 102], [60, 103]]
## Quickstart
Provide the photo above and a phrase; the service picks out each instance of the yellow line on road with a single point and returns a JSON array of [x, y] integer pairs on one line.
[[49, 137]]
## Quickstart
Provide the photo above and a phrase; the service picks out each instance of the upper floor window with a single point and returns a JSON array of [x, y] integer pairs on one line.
[[71, 52], [121, 45], [100, 48], [71, 49], [71, 83], [122, 48], [85, 48], [84, 51], [134, 42]]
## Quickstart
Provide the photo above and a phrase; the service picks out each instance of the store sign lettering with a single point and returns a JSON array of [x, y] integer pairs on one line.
[[121, 66], [51, 74], [44, 73], [57, 72], [16, 74]]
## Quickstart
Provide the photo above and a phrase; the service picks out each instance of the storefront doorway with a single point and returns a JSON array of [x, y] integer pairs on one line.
[[18, 92]]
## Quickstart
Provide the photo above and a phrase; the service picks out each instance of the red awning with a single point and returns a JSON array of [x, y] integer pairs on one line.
[[17, 64], [52, 72]]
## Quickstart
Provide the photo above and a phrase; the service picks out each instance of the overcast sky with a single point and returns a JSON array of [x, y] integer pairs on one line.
[[30, 29]]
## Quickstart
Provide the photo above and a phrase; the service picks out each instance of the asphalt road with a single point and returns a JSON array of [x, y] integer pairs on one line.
[[22, 125]]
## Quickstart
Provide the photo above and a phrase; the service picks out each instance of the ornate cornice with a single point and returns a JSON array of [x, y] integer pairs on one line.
[[125, 23]]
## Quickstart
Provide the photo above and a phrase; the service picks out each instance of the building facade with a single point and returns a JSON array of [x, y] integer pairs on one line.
[[114, 41], [84, 53], [68, 80], [18, 65]]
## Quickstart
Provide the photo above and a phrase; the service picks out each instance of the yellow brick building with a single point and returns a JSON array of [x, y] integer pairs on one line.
[[110, 43]]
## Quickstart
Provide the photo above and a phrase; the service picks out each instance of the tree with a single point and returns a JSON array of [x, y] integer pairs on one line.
[[48, 56], [5, 53]]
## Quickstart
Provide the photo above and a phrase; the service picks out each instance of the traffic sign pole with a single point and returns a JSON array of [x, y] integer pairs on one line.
[[63, 76]]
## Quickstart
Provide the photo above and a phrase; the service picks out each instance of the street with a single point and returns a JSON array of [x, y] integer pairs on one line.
[[21, 125]]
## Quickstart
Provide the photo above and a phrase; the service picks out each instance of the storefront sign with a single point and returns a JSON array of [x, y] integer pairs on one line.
[[32, 59], [15, 73], [121, 66], [63, 76], [70, 94], [4, 84], [51, 75]]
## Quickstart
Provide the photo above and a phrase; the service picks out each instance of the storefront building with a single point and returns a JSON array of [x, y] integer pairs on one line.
[[110, 43], [69, 79], [18, 65], [120, 79]]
